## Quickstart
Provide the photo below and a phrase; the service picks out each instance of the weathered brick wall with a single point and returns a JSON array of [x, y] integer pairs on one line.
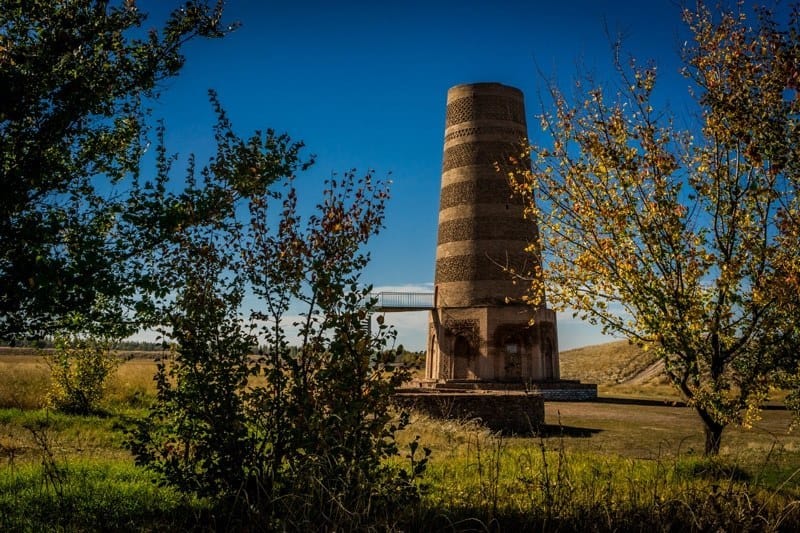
[[570, 395], [480, 224], [482, 234], [516, 413]]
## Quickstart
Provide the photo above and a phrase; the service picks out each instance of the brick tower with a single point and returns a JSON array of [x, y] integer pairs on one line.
[[479, 329]]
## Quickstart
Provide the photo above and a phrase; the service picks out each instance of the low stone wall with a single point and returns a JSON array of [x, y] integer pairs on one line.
[[508, 412], [566, 391], [558, 390], [570, 395]]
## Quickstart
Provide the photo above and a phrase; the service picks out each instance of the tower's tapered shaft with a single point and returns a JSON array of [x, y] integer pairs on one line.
[[481, 227], [480, 329]]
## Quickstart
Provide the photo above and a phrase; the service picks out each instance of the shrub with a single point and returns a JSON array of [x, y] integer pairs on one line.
[[307, 444], [79, 368]]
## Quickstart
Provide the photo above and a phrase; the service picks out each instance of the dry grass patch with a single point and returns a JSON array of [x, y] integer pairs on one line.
[[24, 380], [132, 383], [659, 389], [649, 432], [623, 370], [612, 467], [657, 431], [608, 363]]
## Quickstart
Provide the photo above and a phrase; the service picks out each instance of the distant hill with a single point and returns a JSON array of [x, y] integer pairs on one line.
[[607, 364], [147, 353]]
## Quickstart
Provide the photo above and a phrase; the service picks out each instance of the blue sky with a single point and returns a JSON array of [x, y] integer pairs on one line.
[[364, 85]]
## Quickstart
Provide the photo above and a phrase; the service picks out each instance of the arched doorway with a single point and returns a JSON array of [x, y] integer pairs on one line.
[[462, 352], [547, 357], [432, 370], [513, 367]]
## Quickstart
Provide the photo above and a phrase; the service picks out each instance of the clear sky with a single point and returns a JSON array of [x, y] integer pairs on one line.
[[364, 84]]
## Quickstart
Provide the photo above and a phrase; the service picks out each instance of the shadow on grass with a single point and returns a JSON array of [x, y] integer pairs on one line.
[[713, 469], [639, 401], [556, 430], [770, 406]]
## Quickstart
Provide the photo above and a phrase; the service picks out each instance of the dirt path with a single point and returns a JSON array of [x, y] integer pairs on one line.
[[653, 431], [646, 374]]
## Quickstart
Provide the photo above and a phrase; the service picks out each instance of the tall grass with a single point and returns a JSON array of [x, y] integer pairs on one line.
[[481, 481], [73, 473], [132, 385], [90, 495], [26, 380], [477, 481]]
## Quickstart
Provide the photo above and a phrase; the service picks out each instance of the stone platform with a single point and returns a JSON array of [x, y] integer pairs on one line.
[[554, 390], [508, 407], [511, 412]]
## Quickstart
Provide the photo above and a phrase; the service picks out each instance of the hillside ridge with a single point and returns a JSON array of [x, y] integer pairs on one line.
[[610, 363]]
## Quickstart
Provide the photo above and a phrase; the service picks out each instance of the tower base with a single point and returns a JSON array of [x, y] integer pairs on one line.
[[507, 412], [558, 390], [492, 344]]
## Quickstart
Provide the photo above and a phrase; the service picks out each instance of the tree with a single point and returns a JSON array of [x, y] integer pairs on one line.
[[685, 242], [79, 368], [298, 438], [75, 78]]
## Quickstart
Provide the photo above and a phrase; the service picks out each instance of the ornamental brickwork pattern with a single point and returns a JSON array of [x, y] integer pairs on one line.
[[484, 228], [479, 267], [486, 131], [479, 153], [476, 192], [484, 107]]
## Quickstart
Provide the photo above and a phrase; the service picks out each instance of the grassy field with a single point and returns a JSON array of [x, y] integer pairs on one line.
[[599, 465], [620, 369], [608, 363]]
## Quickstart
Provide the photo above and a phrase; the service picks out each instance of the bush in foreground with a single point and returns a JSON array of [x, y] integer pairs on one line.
[[301, 437], [79, 370]]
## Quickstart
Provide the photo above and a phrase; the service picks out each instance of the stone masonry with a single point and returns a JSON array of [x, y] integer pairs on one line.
[[480, 330]]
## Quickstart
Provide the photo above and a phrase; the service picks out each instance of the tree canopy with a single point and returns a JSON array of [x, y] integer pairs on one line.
[[75, 80], [683, 241]]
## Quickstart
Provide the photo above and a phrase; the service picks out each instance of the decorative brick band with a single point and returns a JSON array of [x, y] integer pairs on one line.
[[484, 107], [478, 267], [482, 191], [507, 133], [480, 153], [486, 228]]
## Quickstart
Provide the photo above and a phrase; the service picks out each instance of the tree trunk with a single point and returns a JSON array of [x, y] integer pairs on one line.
[[713, 438], [713, 430]]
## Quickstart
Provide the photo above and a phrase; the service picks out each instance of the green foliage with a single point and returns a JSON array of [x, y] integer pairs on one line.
[[487, 482], [79, 370], [475, 480], [331, 399], [75, 78], [166, 223], [414, 360], [196, 435], [684, 242], [297, 437], [87, 495]]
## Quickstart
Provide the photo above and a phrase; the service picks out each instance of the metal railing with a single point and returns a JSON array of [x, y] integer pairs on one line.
[[403, 301]]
